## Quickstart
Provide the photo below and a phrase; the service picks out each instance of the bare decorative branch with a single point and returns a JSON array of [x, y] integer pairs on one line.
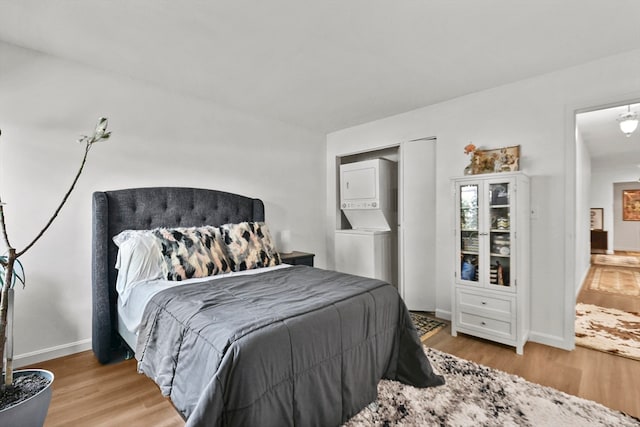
[[8, 262]]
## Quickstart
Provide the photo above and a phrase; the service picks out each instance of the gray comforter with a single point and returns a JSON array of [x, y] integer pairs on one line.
[[296, 346]]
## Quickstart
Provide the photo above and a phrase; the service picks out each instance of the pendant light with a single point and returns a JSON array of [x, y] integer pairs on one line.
[[628, 122]]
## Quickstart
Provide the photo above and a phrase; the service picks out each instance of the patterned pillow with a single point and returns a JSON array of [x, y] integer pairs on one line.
[[191, 252], [249, 245]]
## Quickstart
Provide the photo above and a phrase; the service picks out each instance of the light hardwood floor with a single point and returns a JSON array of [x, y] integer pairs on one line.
[[86, 393]]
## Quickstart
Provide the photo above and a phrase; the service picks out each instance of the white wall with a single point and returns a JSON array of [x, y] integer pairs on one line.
[[602, 195], [583, 217], [537, 114], [159, 138]]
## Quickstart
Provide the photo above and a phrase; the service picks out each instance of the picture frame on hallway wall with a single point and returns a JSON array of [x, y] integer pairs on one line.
[[597, 221], [631, 205]]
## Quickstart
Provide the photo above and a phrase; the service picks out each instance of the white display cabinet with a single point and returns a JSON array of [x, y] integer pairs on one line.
[[491, 279]]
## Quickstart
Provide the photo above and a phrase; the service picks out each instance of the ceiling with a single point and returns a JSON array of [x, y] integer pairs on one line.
[[608, 146], [327, 64]]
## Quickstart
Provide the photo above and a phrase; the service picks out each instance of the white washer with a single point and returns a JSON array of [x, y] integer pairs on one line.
[[364, 253], [366, 194]]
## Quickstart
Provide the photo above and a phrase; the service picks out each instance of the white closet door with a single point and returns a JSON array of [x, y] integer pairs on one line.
[[417, 224]]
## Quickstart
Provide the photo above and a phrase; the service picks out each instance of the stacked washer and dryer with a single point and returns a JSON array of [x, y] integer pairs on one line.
[[368, 192]]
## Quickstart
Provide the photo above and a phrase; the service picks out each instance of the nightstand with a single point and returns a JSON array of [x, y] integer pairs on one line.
[[297, 258]]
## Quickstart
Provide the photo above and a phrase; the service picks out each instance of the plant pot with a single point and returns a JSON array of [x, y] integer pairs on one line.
[[33, 411]]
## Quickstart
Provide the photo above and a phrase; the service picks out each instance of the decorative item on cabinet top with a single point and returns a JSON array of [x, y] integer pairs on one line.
[[469, 149], [505, 159]]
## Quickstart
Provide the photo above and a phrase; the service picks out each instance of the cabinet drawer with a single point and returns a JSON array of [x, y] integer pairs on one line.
[[502, 328], [487, 304]]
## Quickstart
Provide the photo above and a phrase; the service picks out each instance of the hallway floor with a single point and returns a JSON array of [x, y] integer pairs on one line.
[[608, 299]]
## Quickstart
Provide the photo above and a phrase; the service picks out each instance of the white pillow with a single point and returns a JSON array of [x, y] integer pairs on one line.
[[139, 260]]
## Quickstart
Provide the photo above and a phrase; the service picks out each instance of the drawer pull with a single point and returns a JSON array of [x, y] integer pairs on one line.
[[483, 302], [483, 323]]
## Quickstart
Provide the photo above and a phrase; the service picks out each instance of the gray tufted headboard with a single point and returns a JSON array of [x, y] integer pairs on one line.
[[141, 209]]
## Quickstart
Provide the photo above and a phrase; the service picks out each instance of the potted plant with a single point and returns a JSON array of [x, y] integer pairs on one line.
[[27, 393]]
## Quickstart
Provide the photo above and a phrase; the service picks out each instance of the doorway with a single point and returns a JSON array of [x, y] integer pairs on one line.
[[413, 244], [607, 162]]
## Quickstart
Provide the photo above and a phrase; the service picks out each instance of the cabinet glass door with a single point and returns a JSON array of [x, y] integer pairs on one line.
[[500, 248], [469, 242]]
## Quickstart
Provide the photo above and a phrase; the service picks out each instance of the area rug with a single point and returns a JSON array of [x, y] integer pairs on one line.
[[616, 280], [426, 326], [475, 395], [616, 260], [609, 330]]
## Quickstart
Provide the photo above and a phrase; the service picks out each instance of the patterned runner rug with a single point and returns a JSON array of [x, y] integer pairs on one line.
[[609, 330], [475, 395], [426, 326], [616, 280], [616, 260]]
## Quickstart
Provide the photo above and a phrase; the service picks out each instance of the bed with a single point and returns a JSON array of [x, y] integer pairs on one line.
[[281, 345]]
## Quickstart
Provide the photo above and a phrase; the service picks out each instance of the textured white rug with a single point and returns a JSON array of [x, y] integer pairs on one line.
[[607, 329], [475, 395]]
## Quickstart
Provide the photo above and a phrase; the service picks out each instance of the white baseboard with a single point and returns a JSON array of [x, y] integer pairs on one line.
[[551, 340], [51, 353], [442, 314]]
